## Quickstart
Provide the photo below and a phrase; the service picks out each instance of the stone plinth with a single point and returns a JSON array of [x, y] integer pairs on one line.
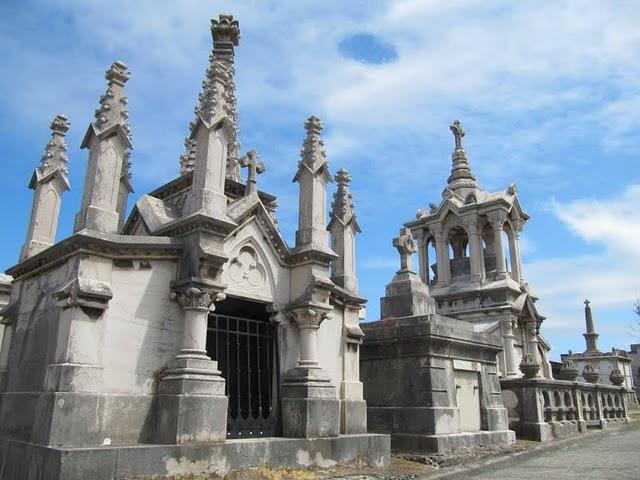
[[405, 296], [431, 382]]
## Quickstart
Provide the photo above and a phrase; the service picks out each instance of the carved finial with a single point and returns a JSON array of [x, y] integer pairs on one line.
[[250, 161], [55, 153], [406, 247], [217, 97], [342, 207], [313, 125], [587, 303], [225, 30], [113, 104], [461, 176], [313, 153], [458, 133]]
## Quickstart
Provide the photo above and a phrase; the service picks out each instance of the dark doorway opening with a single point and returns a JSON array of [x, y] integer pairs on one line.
[[243, 340]]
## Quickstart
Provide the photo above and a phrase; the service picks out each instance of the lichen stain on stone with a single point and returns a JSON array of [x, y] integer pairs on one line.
[[183, 465], [304, 458]]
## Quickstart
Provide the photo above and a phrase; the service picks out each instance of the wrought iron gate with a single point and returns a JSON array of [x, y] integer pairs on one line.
[[246, 352]]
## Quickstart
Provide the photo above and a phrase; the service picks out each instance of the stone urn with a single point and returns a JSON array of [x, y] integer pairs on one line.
[[616, 377], [528, 366], [590, 373], [568, 371]]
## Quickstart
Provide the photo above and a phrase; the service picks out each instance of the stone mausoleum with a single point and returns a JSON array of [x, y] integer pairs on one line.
[[595, 366], [457, 358], [188, 337]]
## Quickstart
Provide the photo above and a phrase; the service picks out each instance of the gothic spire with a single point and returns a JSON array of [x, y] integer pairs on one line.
[[217, 97], [55, 153], [342, 208], [461, 174], [113, 104]]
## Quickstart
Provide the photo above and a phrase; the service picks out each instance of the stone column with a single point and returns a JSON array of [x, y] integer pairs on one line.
[[192, 405], [310, 407], [442, 258], [49, 182], [514, 251], [509, 349], [476, 253], [423, 256], [353, 408], [497, 223]]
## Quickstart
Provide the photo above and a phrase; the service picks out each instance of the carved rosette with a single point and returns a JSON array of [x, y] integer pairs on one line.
[[193, 298], [308, 318]]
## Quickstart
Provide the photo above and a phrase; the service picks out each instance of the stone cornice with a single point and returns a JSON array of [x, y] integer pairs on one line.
[[101, 244], [345, 297], [197, 222], [309, 253], [427, 329], [84, 293]]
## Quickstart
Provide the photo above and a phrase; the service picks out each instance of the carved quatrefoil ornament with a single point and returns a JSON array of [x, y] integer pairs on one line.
[[245, 269]]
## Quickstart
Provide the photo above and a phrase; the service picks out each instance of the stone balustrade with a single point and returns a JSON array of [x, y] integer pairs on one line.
[[542, 409]]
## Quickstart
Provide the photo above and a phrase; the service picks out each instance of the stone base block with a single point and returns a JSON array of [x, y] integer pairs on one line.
[[310, 417], [443, 443], [189, 418], [540, 432], [406, 296], [496, 418], [564, 429], [353, 416], [72, 418], [69, 377], [414, 420], [27, 461]]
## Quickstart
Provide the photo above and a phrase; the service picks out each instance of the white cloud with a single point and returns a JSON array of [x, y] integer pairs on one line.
[[609, 278]]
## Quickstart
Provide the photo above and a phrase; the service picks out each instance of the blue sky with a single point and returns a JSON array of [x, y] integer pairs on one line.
[[548, 94]]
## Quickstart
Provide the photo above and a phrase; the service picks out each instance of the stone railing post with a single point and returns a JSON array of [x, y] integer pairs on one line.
[[533, 425]]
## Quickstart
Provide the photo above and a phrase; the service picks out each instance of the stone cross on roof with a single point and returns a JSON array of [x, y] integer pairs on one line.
[[250, 161], [458, 133], [587, 302], [406, 247]]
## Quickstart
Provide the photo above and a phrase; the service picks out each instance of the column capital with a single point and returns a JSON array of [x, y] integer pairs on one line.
[[497, 219], [472, 224], [197, 297], [308, 318]]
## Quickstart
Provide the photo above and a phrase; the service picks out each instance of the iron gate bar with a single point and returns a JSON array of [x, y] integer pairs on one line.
[[251, 412]]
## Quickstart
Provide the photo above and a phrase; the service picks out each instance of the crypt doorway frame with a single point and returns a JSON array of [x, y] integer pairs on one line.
[[244, 341]]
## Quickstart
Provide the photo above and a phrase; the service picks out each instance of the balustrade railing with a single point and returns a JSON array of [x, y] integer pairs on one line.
[[565, 407]]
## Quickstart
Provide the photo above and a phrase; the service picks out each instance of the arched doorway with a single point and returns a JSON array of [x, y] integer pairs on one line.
[[241, 337]]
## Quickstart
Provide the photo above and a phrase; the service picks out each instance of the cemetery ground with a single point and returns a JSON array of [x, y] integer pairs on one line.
[[600, 454]]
